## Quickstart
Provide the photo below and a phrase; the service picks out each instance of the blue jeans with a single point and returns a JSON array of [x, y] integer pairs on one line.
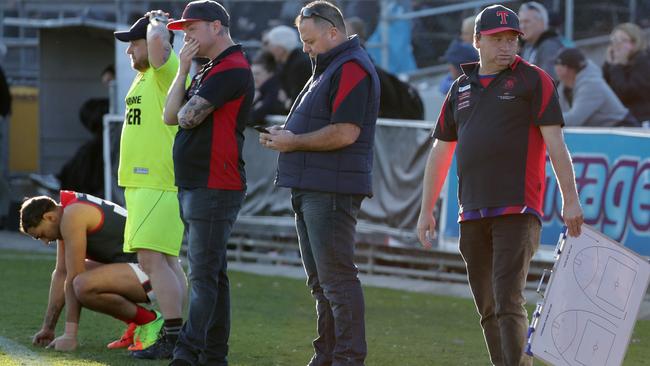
[[208, 215], [325, 223], [497, 252]]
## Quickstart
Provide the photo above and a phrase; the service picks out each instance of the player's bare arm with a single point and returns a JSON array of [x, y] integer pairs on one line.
[[435, 172], [75, 222], [332, 137], [563, 168], [194, 112], [55, 302], [158, 45], [176, 95]]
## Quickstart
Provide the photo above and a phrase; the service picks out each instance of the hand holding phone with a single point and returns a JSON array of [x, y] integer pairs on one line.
[[261, 129]]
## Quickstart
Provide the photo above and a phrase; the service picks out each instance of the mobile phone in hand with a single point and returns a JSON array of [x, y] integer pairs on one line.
[[261, 129]]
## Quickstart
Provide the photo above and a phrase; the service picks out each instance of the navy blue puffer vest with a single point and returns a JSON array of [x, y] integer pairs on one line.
[[347, 170]]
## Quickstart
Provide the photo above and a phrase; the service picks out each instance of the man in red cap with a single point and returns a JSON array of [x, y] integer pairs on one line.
[[211, 116], [499, 116]]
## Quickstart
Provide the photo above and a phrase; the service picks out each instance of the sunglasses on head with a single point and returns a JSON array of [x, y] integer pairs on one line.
[[310, 13]]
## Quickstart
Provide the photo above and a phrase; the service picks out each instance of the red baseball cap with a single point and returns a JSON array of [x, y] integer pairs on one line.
[[206, 10]]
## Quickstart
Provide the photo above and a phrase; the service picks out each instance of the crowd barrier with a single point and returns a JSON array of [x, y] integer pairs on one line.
[[612, 171]]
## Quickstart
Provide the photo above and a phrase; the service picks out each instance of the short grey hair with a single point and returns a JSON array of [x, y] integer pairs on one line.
[[539, 8], [283, 36]]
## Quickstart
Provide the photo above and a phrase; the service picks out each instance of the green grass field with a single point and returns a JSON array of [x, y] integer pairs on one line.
[[273, 324]]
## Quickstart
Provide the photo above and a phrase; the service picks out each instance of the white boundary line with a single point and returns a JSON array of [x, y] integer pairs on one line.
[[20, 354]]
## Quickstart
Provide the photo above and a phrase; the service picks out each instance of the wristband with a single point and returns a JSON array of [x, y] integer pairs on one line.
[[71, 329]]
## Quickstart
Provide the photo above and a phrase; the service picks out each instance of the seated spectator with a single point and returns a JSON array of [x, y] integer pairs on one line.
[[84, 171], [267, 87], [585, 97], [540, 43], [294, 67], [626, 69]]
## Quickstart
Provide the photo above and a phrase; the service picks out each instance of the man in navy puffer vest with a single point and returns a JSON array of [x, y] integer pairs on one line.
[[326, 159]]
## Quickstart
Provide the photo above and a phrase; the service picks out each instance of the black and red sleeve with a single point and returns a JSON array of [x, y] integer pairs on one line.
[[445, 128], [222, 86], [545, 102], [350, 94]]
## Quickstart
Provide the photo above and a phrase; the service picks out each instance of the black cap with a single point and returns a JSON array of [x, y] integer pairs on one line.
[[137, 31], [572, 58], [206, 10], [495, 19]]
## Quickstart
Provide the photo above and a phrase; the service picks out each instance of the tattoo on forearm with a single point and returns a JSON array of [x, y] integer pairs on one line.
[[194, 112]]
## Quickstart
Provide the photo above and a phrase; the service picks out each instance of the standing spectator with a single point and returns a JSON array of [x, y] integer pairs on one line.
[[211, 116], [540, 43], [326, 159], [585, 97], [626, 69], [294, 67], [267, 87], [153, 227], [486, 119]]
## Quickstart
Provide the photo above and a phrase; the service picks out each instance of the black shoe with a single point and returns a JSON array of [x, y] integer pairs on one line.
[[163, 349], [180, 362]]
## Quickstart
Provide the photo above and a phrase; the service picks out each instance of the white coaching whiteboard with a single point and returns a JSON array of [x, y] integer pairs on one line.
[[590, 304]]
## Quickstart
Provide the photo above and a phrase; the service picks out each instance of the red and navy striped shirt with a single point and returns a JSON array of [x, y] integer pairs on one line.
[[210, 154], [500, 155]]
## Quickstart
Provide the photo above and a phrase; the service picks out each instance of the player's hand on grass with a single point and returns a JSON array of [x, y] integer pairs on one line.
[[43, 338], [573, 217], [64, 343], [68, 341], [426, 229]]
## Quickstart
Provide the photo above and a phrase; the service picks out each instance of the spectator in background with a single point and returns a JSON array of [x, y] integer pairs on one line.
[[108, 75], [5, 111], [626, 69], [459, 52], [267, 87], [294, 67], [540, 43], [5, 96], [585, 97], [398, 99]]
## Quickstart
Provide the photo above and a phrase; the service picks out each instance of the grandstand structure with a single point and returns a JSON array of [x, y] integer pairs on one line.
[[437, 21]]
